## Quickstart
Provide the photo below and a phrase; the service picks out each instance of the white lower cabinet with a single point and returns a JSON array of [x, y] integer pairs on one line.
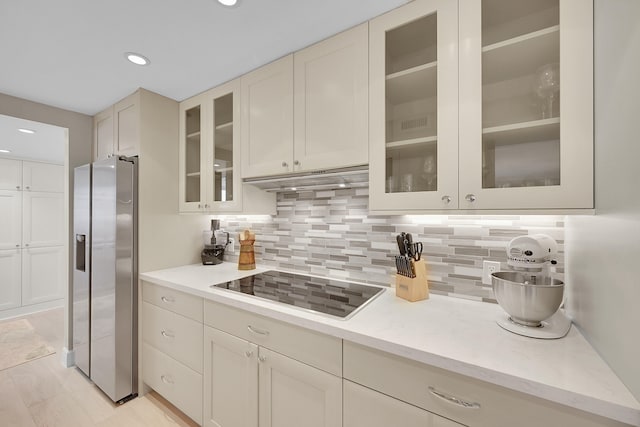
[[364, 407], [180, 385], [274, 380], [230, 380], [465, 400], [43, 274], [292, 393], [10, 273], [172, 347]]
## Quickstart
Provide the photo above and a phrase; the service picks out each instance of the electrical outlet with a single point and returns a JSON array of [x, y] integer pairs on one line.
[[231, 247], [489, 267]]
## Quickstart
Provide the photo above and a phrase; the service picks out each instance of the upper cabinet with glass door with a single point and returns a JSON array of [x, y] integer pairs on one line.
[[526, 138], [210, 151], [413, 134], [210, 156]]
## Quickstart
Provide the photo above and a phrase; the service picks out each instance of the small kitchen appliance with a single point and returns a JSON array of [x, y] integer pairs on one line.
[[215, 242], [529, 294]]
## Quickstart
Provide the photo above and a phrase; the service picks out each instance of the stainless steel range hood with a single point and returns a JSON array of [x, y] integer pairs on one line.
[[351, 177]]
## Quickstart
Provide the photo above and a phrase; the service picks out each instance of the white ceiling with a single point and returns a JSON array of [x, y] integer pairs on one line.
[[47, 144], [70, 53]]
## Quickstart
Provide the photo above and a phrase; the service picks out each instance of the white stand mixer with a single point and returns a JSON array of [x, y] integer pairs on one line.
[[528, 293]]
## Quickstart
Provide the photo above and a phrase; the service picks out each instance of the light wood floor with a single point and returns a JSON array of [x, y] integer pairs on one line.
[[44, 393]]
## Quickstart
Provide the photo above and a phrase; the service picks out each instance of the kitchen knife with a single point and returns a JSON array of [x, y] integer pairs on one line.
[[408, 245], [401, 246]]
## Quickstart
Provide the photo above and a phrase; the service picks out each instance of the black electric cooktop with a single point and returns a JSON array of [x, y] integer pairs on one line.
[[340, 299]]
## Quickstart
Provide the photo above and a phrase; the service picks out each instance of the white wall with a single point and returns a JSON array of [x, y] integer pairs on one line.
[[603, 252]]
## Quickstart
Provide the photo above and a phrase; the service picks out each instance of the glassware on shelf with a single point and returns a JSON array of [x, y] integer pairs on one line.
[[546, 87]]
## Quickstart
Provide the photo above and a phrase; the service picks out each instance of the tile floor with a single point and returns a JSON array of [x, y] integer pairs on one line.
[[43, 393]]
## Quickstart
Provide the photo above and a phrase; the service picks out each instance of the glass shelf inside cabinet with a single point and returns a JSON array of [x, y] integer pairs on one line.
[[520, 93], [192, 155], [411, 106], [223, 149]]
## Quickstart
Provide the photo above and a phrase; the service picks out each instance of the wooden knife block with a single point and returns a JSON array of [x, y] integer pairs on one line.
[[413, 289]]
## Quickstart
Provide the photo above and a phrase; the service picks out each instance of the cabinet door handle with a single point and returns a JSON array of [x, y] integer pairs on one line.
[[296, 163], [446, 199], [167, 334], [167, 299], [206, 205], [27, 187], [285, 164], [166, 379], [17, 187], [257, 331], [248, 353], [17, 246], [26, 245], [262, 358], [453, 400], [199, 206], [470, 198]]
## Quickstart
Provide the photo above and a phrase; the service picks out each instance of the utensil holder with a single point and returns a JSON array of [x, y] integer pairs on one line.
[[413, 288]]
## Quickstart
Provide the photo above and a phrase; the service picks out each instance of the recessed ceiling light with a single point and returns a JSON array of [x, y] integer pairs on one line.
[[216, 165], [342, 185], [136, 58], [29, 131], [228, 2], [293, 188], [5, 151]]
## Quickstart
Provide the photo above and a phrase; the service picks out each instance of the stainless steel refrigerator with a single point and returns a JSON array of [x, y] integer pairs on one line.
[[105, 277]]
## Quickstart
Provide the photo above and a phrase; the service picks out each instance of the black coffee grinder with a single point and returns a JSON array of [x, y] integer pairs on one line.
[[213, 252]]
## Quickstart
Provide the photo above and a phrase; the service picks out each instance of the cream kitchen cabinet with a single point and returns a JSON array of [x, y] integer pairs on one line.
[[103, 146], [267, 119], [456, 397], [43, 274], [364, 407], [11, 214], [10, 278], [117, 130], [10, 174], [258, 371], [210, 156], [45, 177], [308, 111], [172, 342], [22, 175], [511, 131], [413, 108], [42, 219]]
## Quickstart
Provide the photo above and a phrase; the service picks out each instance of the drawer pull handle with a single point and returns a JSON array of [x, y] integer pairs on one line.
[[454, 400], [166, 379], [248, 353], [167, 334], [257, 331], [167, 299], [262, 358]]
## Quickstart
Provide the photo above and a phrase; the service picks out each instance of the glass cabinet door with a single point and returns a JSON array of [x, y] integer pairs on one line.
[[524, 83], [191, 170], [413, 107], [223, 149], [223, 182]]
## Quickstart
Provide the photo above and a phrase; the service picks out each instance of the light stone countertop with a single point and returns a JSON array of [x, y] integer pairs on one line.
[[450, 333]]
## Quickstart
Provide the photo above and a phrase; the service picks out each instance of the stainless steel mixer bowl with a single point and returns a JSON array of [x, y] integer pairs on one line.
[[527, 298]]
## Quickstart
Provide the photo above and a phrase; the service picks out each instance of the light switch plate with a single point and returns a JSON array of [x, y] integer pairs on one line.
[[489, 267]]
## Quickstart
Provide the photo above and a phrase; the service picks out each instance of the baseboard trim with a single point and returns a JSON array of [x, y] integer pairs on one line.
[[30, 309], [67, 357]]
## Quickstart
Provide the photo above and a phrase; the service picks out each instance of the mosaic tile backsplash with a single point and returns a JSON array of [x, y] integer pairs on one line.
[[331, 233]]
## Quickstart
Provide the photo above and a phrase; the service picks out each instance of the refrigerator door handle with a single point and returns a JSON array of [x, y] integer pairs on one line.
[[81, 251]]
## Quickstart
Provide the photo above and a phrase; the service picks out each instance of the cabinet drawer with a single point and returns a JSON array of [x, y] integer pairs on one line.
[[364, 407], [322, 351], [174, 381], [178, 336], [176, 301], [418, 384]]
